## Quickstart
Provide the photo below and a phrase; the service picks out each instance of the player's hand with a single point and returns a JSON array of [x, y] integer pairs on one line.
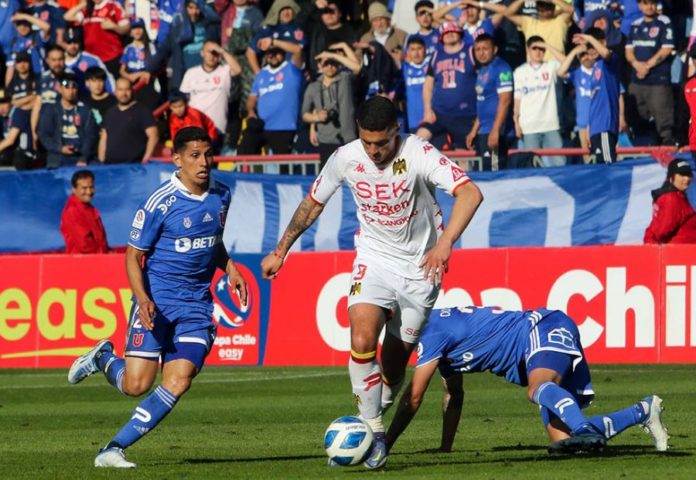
[[147, 314], [435, 263], [271, 264], [236, 281], [494, 139]]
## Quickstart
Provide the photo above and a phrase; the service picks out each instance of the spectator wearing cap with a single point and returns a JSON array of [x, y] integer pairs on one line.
[[208, 85], [648, 51], [449, 91], [273, 106], [98, 99], [330, 31], [382, 31], [134, 61], [328, 106], [470, 19], [49, 12], [104, 22], [535, 107], [67, 128], [24, 85], [183, 115], [197, 24], [424, 10], [78, 61], [129, 132], [80, 223], [673, 218], [27, 40], [554, 17], [493, 131], [414, 70], [16, 146], [280, 31]]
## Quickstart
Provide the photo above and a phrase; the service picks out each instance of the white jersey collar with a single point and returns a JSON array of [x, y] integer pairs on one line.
[[182, 188]]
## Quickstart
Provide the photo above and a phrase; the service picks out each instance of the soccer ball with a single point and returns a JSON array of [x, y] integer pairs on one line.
[[348, 441]]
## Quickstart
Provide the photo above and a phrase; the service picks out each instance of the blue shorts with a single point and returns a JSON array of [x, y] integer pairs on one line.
[[554, 343], [179, 332]]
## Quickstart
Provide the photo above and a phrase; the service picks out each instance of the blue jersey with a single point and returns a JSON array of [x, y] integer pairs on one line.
[[181, 234], [289, 32], [478, 339], [604, 105], [52, 14], [414, 78], [646, 39], [473, 31], [32, 43], [79, 66], [431, 40], [134, 57], [581, 78], [19, 119], [166, 11], [492, 80], [454, 91], [279, 92], [49, 87]]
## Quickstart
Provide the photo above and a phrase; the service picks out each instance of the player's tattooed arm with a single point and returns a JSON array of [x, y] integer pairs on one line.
[[134, 270], [303, 218]]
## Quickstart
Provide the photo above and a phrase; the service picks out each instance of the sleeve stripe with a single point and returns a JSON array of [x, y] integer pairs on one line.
[[311, 197], [429, 361], [456, 187]]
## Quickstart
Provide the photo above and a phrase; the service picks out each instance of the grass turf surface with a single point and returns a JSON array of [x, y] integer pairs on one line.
[[269, 423]]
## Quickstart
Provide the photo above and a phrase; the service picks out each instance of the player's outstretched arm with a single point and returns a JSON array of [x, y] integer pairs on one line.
[[410, 401], [134, 270], [468, 197], [303, 218], [451, 410]]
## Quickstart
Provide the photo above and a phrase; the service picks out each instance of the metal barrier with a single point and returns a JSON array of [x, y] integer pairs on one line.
[[308, 163]]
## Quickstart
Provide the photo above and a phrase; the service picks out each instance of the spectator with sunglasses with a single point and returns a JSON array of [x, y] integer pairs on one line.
[[426, 32], [67, 127]]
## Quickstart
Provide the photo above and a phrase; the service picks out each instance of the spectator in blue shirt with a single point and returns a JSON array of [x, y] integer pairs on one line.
[[493, 131], [26, 39], [426, 32], [134, 62], [413, 71], [649, 50], [7, 30], [280, 30], [273, 106], [16, 146], [50, 12]]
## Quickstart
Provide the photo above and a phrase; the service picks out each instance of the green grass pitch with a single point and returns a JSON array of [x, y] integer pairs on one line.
[[269, 423]]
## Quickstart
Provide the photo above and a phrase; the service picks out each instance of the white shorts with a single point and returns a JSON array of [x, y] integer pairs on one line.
[[411, 301]]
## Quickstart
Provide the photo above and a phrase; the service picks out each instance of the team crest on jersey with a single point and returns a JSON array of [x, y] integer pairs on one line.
[[298, 35], [135, 235], [139, 219], [217, 80], [355, 288], [545, 76], [653, 32], [187, 222], [598, 73], [457, 173], [399, 167], [82, 66], [207, 218], [279, 77]]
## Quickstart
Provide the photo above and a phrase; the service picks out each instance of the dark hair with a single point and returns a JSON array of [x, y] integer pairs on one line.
[[534, 39], [423, 3], [415, 39], [190, 134], [596, 33], [95, 73], [484, 37], [79, 175], [376, 114], [53, 48]]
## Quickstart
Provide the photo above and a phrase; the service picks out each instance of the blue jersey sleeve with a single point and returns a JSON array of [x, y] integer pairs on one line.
[[431, 347], [145, 229], [666, 36], [255, 86]]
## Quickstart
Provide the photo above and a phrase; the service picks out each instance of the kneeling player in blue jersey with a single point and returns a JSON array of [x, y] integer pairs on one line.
[[539, 349], [174, 248]]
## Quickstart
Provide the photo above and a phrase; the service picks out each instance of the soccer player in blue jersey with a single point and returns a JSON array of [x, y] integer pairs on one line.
[[603, 115], [174, 248], [493, 129], [538, 349], [449, 91]]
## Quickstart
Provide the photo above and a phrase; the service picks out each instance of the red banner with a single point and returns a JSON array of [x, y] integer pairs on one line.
[[632, 304]]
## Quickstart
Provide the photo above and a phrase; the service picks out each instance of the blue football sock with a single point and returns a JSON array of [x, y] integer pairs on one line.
[[113, 368], [611, 424], [559, 402], [146, 416]]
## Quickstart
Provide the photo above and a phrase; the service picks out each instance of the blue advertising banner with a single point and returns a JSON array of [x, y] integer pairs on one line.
[[572, 205]]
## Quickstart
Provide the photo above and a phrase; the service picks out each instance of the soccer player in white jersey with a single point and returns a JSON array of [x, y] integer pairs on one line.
[[174, 247], [403, 248]]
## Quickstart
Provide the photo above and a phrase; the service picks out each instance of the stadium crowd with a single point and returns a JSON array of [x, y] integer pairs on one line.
[[101, 81]]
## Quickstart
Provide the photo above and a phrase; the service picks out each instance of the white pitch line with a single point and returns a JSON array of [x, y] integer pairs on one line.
[[195, 382]]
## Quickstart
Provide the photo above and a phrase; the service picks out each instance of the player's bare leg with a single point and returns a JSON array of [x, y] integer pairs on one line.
[[395, 355], [366, 322], [139, 375]]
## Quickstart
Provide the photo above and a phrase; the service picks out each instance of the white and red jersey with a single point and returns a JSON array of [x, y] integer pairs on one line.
[[400, 219], [690, 95]]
